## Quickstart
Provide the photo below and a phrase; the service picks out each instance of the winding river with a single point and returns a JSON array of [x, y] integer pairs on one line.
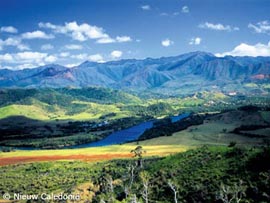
[[126, 135]]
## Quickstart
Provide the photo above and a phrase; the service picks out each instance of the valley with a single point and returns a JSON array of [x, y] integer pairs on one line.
[[105, 137]]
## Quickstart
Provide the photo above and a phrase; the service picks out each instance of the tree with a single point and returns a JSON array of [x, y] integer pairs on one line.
[[174, 189], [133, 199], [229, 194], [129, 179], [138, 151], [145, 181]]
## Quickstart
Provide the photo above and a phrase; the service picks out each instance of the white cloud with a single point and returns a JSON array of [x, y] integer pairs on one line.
[[77, 32], [47, 25], [70, 65], [119, 39], [37, 35], [23, 47], [28, 57], [218, 27], [243, 49], [106, 40], [116, 54], [260, 27], [74, 46], [46, 47], [9, 29], [96, 58], [6, 67], [16, 42], [79, 56], [83, 32], [23, 66], [185, 9], [123, 39], [167, 42], [64, 54], [195, 41], [50, 59], [146, 7], [6, 57]]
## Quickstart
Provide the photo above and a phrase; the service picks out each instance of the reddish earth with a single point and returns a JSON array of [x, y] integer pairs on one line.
[[90, 158], [260, 76]]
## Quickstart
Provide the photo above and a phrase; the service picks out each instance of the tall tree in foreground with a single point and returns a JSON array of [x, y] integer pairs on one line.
[[138, 152]]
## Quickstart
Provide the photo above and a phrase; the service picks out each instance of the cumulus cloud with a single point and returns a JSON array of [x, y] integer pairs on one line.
[[6, 57], [195, 41], [146, 7], [15, 42], [83, 32], [185, 9], [218, 27], [74, 46], [123, 39], [116, 54], [260, 27], [106, 40], [23, 47], [46, 47], [29, 56], [96, 58], [27, 59], [79, 56], [77, 32], [23, 66], [37, 35], [244, 49], [64, 54], [50, 59], [111, 40], [9, 29], [167, 42]]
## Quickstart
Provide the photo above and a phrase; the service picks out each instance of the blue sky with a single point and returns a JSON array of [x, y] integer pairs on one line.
[[68, 32]]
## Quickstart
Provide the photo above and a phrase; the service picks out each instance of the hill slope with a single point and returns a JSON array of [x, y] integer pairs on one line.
[[190, 72]]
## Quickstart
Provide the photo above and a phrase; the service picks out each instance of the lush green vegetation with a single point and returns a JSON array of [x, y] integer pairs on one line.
[[94, 103], [25, 132], [166, 127], [206, 174]]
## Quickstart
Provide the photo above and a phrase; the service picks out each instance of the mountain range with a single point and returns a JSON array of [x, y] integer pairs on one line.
[[181, 74]]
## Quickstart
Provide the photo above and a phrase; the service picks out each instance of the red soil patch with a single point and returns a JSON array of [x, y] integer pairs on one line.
[[260, 76], [90, 158]]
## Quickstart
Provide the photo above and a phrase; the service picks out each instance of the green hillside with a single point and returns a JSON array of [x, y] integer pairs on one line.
[[207, 174]]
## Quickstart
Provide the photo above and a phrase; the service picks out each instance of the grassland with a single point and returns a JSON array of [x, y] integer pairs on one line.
[[217, 130], [86, 154]]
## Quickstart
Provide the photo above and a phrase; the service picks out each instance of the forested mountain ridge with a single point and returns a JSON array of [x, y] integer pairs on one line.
[[196, 71]]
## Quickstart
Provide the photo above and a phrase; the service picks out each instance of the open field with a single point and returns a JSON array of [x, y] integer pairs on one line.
[[216, 130], [86, 154], [209, 134]]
